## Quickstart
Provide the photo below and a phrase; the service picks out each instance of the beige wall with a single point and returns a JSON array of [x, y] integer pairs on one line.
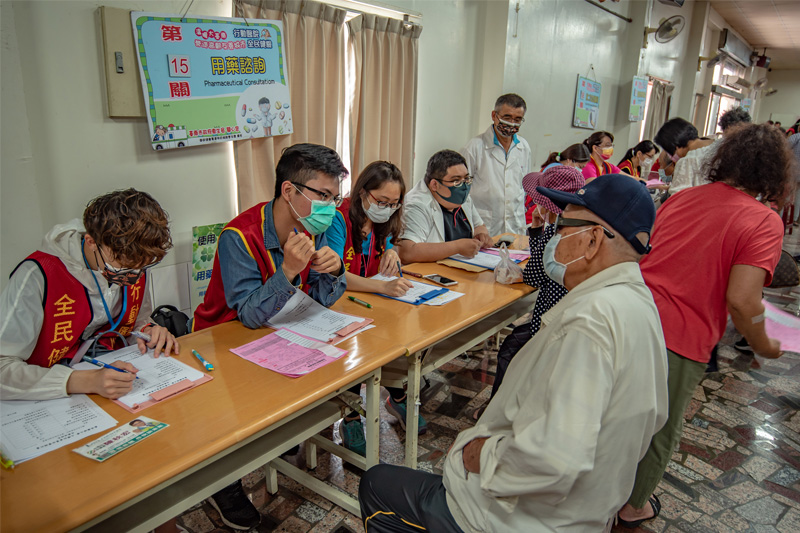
[[783, 106], [59, 149]]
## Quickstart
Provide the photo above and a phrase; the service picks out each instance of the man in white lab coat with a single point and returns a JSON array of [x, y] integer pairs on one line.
[[498, 159], [558, 445]]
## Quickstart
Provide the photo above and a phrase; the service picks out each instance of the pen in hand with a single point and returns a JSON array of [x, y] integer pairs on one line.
[[106, 365], [399, 269]]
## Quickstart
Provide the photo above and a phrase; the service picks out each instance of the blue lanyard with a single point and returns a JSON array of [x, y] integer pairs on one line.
[[105, 305]]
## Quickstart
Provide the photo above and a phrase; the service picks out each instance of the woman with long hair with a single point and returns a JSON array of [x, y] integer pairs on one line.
[[363, 233]]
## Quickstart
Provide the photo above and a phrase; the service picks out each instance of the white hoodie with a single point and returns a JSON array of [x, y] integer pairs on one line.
[[22, 316]]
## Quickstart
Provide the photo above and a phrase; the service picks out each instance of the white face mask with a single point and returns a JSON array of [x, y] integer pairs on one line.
[[555, 270], [378, 214]]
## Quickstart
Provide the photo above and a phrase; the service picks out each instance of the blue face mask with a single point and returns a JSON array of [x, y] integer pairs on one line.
[[555, 270], [458, 195], [320, 218]]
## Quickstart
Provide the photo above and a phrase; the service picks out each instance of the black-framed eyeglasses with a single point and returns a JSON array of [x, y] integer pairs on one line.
[[562, 222], [325, 197], [125, 271], [457, 182], [390, 205]]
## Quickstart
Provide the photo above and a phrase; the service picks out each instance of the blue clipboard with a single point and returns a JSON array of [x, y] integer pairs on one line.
[[420, 300]]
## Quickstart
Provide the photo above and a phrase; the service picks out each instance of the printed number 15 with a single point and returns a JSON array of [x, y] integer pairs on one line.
[[179, 66]]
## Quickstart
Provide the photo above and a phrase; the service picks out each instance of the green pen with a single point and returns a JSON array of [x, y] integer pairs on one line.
[[362, 302]]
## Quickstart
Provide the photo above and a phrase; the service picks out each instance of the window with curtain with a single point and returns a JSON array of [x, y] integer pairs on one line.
[[339, 65]]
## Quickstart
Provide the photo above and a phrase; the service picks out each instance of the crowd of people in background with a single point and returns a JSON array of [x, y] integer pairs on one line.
[[632, 301]]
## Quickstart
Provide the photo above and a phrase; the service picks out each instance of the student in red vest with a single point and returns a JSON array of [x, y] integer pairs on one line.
[[376, 207], [268, 253], [86, 278], [641, 156], [276, 248]]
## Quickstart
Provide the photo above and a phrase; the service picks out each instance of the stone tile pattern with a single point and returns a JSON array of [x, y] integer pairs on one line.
[[737, 467]]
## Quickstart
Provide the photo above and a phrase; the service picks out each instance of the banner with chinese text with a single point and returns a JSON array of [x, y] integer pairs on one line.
[[211, 79], [204, 246], [587, 103]]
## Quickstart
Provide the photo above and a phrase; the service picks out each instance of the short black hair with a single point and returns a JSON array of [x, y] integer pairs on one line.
[[440, 162], [511, 100], [300, 162], [675, 133], [264, 100], [734, 116]]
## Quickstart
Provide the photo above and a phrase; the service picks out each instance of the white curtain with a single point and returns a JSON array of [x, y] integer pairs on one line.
[[657, 109]]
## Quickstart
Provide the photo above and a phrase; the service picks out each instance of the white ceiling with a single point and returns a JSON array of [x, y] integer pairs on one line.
[[770, 24]]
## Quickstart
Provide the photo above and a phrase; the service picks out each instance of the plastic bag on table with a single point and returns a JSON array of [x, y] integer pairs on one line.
[[507, 271]]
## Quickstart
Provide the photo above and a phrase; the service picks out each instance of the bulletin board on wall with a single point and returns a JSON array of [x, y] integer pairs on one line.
[[210, 79], [638, 99], [587, 103]]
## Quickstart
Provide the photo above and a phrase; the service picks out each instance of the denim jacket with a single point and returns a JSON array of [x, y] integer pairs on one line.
[[255, 303]]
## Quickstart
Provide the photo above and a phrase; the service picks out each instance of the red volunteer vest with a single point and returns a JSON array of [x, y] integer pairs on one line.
[[627, 167], [68, 312], [352, 260], [250, 227]]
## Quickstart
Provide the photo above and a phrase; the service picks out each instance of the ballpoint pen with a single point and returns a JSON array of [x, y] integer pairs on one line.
[[208, 366], [362, 302], [414, 274], [399, 269], [141, 335], [106, 365]]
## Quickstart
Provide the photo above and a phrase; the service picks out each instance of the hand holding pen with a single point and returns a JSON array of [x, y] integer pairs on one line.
[[159, 339], [110, 381]]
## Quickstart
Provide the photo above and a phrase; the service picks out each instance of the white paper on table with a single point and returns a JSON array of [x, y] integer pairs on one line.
[[303, 315], [482, 259], [417, 290], [442, 299], [155, 373], [782, 326], [33, 428]]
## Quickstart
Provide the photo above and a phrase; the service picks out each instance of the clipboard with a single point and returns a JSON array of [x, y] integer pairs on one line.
[[165, 393], [463, 266], [420, 299]]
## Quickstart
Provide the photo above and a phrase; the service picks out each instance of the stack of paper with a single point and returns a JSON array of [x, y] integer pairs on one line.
[[33, 428], [482, 259], [288, 353], [516, 255], [305, 316]]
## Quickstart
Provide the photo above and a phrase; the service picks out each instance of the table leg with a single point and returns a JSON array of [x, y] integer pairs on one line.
[[373, 418], [271, 478], [311, 454], [412, 408]]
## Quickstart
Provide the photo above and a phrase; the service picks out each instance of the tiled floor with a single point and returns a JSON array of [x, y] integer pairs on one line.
[[737, 468]]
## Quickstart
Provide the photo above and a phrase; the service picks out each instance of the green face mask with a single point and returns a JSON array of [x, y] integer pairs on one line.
[[458, 195], [320, 218]]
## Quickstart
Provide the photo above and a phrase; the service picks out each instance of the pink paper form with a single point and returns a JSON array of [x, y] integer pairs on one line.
[[782, 326], [289, 353]]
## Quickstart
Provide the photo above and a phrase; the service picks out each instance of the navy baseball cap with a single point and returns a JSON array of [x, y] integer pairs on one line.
[[620, 200]]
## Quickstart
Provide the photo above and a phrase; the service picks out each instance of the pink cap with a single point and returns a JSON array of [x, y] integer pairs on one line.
[[559, 177]]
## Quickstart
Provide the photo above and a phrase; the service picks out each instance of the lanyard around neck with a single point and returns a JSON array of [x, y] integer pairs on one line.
[[102, 298]]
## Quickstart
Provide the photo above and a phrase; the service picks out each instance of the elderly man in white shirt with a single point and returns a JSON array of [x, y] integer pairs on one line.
[[440, 218], [498, 159], [557, 447]]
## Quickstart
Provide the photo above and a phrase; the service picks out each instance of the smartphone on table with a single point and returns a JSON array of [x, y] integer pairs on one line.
[[441, 280]]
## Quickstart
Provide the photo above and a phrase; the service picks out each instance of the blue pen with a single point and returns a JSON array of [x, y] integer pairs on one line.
[[206, 364], [399, 269], [105, 365], [295, 231]]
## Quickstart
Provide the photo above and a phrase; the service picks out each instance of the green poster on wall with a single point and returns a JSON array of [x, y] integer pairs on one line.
[[204, 246]]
